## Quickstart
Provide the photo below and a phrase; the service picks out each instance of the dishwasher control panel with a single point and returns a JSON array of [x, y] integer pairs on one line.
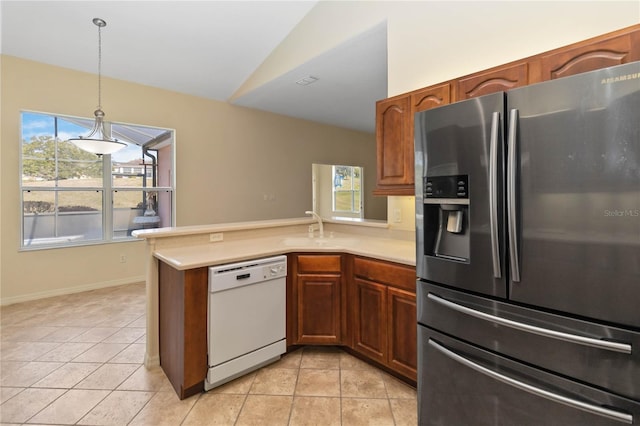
[[245, 273], [275, 270]]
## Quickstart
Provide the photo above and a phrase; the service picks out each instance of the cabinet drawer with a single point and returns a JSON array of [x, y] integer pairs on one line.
[[386, 273], [310, 264]]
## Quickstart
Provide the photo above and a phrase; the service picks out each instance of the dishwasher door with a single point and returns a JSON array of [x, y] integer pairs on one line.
[[247, 313]]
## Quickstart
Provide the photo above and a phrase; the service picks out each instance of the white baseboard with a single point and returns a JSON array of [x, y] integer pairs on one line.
[[4, 301], [151, 361]]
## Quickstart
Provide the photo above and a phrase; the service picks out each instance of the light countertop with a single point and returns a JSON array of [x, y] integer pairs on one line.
[[217, 253]]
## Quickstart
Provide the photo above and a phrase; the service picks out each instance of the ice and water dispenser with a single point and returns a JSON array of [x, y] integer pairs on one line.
[[446, 217]]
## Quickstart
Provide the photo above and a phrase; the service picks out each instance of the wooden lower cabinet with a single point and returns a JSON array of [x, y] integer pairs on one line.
[[332, 299], [384, 324], [317, 294], [183, 327], [402, 332], [370, 314]]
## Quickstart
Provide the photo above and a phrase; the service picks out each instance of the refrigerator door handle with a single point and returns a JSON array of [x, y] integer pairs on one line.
[[567, 337], [511, 195], [493, 194], [619, 416]]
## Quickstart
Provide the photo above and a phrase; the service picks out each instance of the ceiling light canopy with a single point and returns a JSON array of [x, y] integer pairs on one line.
[[98, 140]]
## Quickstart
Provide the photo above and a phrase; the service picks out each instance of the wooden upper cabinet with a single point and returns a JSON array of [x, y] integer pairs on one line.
[[590, 55], [498, 79], [430, 97], [394, 137], [395, 116], [394, 146]]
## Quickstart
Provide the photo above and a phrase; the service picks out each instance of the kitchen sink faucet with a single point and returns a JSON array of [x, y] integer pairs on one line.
[[319, 219]]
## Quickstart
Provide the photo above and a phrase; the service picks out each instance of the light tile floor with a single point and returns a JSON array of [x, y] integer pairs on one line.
[[77, 359]]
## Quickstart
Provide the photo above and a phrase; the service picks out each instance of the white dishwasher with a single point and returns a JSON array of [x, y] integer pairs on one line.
[[246, 317]]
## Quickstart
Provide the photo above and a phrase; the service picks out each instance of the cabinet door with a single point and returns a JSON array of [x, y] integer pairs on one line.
[[394, 145], [403, 352], [429, 97], [370, 325], [494, 80], [591, 55], [318, 309]]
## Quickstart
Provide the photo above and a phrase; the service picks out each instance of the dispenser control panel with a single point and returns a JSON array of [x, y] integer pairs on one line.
[[456, 187]]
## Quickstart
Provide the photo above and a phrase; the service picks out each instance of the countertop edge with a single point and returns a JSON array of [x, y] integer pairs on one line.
[[177, 231], [212, 254]]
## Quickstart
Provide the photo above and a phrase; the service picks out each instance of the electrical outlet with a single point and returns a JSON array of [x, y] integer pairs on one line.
[[214, 238], [123, 258], [397, 215]]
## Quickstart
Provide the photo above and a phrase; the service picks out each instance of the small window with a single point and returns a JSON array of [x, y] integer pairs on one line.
[[72, 197], [347, 190]]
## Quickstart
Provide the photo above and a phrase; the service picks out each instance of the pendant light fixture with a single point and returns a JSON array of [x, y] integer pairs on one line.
[[98, 141]]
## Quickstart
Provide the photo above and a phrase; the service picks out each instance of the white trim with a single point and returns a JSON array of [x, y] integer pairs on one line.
[[69, 290], [151, 361]]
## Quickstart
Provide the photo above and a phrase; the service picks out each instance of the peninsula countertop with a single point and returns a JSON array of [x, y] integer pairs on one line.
[[267, 238], [217, 253]]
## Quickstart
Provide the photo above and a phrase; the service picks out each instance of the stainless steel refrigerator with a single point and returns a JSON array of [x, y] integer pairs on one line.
[[528, 255]]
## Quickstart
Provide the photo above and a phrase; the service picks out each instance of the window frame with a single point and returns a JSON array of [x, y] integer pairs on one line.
[[108, 188]]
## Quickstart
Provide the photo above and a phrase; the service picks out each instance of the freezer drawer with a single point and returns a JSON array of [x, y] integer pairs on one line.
[[460, 384], [604, 356]]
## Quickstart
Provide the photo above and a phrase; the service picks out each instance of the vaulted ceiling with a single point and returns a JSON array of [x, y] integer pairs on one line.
[[207, 49]]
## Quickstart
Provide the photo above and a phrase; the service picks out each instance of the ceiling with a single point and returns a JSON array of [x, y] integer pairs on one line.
[[204, 48]]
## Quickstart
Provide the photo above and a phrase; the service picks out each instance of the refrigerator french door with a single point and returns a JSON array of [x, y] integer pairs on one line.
[[528, 231]]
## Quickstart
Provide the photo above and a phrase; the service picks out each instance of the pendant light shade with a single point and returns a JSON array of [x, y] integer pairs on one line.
[[98, 141]]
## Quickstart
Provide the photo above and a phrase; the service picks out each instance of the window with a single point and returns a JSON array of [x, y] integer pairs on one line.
[[72, 197], [347, 190]]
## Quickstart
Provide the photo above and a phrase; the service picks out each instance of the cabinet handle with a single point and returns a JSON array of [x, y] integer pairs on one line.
[[570, 402], [572, 338]]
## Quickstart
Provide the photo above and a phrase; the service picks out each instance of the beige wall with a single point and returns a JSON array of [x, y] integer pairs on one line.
[[227, 159]]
